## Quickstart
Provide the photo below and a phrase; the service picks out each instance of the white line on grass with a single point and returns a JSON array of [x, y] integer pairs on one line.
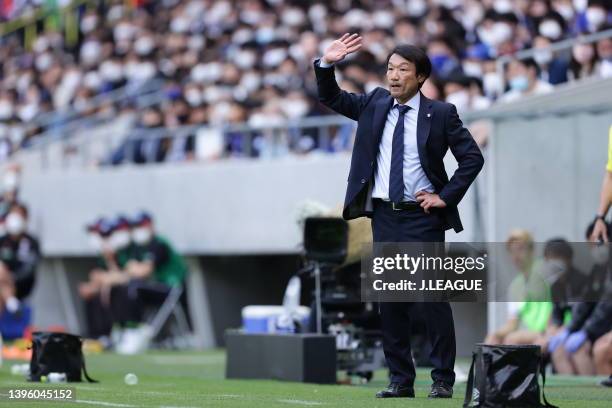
[[172, 406], [187, 360], [106, 404], [299, 402], [88, 388]]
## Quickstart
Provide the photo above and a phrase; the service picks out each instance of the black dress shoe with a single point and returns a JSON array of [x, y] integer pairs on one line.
[[607, 383], [396, 390], [441, 389]]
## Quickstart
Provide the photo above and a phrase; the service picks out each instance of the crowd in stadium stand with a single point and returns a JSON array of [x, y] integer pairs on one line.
[[250, 61]]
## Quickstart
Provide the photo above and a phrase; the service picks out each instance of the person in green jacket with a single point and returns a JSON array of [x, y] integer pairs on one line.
[[529, 310], [155, 268]]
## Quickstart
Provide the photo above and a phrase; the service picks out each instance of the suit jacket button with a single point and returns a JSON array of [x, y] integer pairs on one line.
[[371, 164], [363, 181]]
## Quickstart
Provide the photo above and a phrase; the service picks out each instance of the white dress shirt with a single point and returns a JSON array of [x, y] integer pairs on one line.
[[415, 179]]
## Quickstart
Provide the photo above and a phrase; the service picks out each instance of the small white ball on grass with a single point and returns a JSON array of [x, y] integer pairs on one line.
[[130, 379]]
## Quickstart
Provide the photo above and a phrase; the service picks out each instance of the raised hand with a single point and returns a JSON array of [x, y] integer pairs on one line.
[[341, 47]]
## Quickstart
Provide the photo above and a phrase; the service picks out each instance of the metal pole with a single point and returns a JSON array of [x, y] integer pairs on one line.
[[317, 272]]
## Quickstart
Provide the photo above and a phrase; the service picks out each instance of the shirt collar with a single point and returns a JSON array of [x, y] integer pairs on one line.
[[413, 102]]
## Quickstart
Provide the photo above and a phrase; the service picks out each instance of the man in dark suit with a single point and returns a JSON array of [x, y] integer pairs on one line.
[[397, 178]]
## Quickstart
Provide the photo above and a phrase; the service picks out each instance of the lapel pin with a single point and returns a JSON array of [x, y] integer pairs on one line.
[[429, 115]]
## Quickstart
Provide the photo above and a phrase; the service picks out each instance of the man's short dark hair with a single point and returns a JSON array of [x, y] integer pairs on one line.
[[414, 54], [558, 248]]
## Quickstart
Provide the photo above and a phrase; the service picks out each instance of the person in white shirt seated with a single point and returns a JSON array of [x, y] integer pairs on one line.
[[522, 77]]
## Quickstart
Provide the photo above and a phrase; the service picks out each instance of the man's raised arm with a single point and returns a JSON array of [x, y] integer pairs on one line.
[[345, 103]]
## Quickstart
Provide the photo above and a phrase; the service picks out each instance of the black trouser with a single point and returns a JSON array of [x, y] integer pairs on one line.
[[99, 322], [128, 301], [414, 226]]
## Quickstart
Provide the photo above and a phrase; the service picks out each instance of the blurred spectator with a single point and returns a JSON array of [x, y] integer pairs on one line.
[[604, 51], [143, 146], [593, 317], [528, 310], [553, 69], [153, 270], [582, 62], [465, 93], [566, 282], [136, 267], [19, 257], [523, 79], [111, 239], [11, 179], [584, 345]]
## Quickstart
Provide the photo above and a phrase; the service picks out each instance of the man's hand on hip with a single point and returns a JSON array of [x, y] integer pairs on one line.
[[429, 200], [340, 48]]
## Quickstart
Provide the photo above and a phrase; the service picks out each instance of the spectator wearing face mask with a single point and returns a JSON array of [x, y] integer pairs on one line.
[[523, 80], [154, 270], [553, 69], [111, 238], [465, 93], [155, 259], [595, 17], [19, 257], [569, 313], [566, 282], [568, 286], [443, 58], [552, 27]]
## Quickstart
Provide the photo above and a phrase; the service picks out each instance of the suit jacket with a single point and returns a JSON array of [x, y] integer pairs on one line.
[[438, 129]]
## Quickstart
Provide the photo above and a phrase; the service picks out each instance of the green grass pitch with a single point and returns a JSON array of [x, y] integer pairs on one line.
[[179, 379]]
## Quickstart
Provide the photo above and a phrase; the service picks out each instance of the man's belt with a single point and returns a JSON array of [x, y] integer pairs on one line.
[[402, 206]]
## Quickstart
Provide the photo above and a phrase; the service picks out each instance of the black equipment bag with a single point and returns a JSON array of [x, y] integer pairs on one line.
[[505, 376], [57, 353]]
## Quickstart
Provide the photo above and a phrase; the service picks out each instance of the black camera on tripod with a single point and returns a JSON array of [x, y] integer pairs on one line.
[[337, 308]]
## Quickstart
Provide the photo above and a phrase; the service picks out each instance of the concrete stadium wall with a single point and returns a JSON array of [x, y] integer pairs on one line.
[[225, 207], [546, 160], [247, 207]]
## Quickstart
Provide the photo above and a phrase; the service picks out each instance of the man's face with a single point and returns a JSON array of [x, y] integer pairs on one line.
[[402, 77]]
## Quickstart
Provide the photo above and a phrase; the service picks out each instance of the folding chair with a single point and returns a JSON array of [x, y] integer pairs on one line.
[[171, 307]]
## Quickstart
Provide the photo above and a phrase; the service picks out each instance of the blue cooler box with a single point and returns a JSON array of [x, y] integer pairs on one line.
[[263, 319]]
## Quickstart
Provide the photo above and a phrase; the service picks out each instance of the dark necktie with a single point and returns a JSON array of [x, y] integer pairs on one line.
[[396, 176]]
